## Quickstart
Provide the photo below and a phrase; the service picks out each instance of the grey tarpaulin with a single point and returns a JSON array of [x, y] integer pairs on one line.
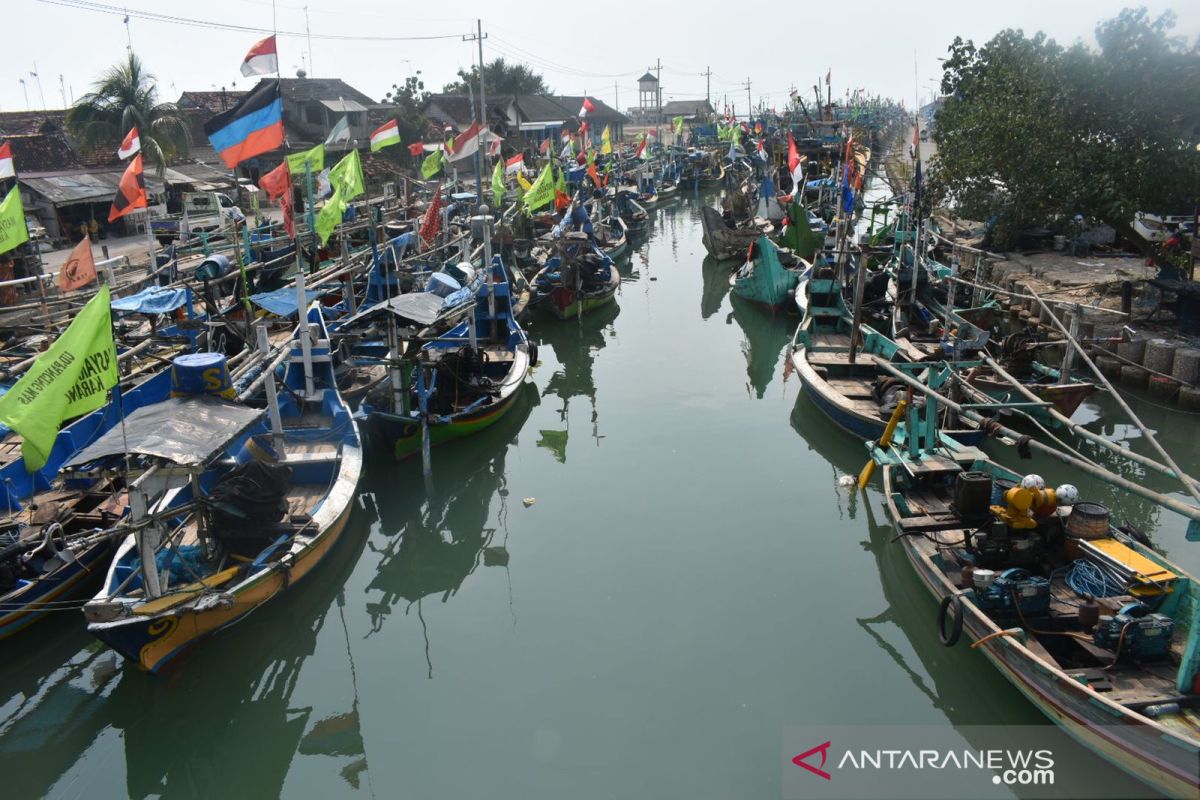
[[184, 430]]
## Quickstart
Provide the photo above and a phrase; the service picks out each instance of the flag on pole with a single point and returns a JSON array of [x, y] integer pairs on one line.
[[131, 192], [514, 164], [7, 170], [277, 184], [262, 58], [340, 131], [315, 158], [587, 106], [544, 147], [416, 149], [498, 183], [541, 191], [494, 147], [346, 179], [80, 267], [12, 221], [828, 74], [465, 144], [795, 162], [523, 182], [253, 127], [606, 141], [385, 135], [431, 221], [762, 152], [678, 123], [130, 145], [70, 379], [641, 151], [431, 165]]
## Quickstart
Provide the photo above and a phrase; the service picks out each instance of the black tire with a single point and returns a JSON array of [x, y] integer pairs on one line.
[[956, 627]]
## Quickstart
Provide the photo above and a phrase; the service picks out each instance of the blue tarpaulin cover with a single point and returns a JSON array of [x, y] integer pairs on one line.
[[152, 301], [282, 302]]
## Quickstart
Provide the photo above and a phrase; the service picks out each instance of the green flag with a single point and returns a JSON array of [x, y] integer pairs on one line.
[[347, 176], [560, 185], [799, 237], [678, 121], [431, 165], [12, 221], [315, 158], [70, 379], [498, 183], [542, 190]]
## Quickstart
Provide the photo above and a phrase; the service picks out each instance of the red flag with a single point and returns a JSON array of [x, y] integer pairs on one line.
[[286, 202], [416, 148], [277, 182], [561, 200], [130, 145], [593, 174], [263, 59], [80, 267], [431, 222], [917, 134], [7, 170], [588, 106], [545, 146], [131, 193]]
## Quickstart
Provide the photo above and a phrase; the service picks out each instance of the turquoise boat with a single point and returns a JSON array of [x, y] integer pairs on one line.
[[763, 279]]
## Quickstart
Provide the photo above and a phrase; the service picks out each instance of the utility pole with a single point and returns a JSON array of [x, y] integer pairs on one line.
[[308, 36], [481, 117], [616, 97], [749, 105], [37, 74], [707, 85]]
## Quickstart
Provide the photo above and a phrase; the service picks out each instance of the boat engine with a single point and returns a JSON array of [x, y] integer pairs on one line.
[[1016, 588], [1146, 635]]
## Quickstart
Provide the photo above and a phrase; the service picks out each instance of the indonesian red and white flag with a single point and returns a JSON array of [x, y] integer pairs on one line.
[[544, 147], [262, 58], [465, 144], [7, 170], [795, 162], [641, 148], [494, 147], [514, 164], [130, 145], [587, 106]]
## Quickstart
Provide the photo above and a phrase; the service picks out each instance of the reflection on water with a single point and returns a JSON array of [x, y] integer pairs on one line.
[[765, 337], [575, 344], [435, 542], [222, 716], [714, 285]]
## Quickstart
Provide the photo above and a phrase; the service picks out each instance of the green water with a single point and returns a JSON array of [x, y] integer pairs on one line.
[[688, 581]]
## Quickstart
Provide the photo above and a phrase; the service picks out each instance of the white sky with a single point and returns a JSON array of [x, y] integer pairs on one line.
[[577, 47]]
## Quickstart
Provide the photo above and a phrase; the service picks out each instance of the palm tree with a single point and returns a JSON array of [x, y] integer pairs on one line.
[[127, 95]]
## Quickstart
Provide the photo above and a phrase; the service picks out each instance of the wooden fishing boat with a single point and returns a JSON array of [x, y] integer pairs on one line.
[[725, 241], [667, 190], [215, 541], [576, 280], [464, 380], [611, 236], [763, 279], [1114, 661], [848, 392], [634, 215], [55, 534]]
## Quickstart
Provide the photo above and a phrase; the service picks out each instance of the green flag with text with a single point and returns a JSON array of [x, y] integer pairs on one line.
[[70, 379], [12, 221]]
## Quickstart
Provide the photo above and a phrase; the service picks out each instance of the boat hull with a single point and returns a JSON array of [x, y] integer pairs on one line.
[[405, 432], [153, 641], [19, 610], [1124, 738]]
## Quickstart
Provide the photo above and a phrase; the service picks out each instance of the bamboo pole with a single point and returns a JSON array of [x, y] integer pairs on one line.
[[1191, 488], [1185, 509]]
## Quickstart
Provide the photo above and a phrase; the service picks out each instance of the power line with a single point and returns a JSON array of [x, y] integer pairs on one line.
[[153, 16]]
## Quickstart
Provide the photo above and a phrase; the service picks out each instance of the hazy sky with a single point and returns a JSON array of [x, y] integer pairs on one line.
[[867, 44]]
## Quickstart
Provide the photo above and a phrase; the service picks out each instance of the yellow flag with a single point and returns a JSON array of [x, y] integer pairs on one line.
[[524, 182], [606, 141]]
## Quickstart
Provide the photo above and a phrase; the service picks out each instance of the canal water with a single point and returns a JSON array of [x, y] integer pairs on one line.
[[628, 588]]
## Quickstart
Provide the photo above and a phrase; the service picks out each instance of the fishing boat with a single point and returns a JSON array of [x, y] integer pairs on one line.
[[844, 385], [464, 380], [611, 235], [631, 211], [762, 278], [577, 279], [722, 239], [55, 534], [233, 506], [1096, 629]]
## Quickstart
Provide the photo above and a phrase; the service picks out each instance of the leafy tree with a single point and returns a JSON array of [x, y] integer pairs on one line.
[[408, 99], [1032, 133], [500, 77], [127, 95]]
